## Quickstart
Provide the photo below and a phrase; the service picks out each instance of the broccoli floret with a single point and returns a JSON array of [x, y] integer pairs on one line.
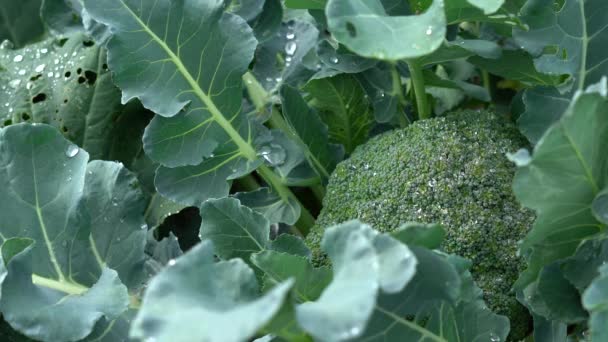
[[450, 170]]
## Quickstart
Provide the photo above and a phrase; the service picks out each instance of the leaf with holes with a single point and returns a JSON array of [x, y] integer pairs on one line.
[[65, 83], [85, 224]]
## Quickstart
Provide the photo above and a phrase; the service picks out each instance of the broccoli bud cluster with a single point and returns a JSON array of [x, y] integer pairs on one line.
[[450, 170]]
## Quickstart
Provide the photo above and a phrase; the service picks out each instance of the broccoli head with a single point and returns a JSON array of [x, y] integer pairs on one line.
[[450, 170]]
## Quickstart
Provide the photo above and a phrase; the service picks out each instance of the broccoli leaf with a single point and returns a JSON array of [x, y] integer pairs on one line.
[[84, 219], [600, 206], [595, 299], [69, 86], [269, 204], [363, 262], [566, 172], [190, 75], [236, 231], [342, 105], [567, 39], [311, 133], [20, 23], [207, 300], [358, 23]]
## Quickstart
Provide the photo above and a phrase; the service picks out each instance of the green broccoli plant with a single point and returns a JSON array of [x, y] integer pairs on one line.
[[450, 170]]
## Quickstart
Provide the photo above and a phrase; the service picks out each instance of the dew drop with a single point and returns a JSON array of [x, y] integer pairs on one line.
[[143, 226], [18, 58], [334, 60], [43, 51], [290, 35], [171, 262], [7, 44], [14, 83], [429, 31], [21, 72], [494, 337], [72, 151], [40, 68], [290, 48]]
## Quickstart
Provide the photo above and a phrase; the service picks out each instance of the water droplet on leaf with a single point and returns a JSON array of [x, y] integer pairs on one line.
[[290, 48], [72, 151]]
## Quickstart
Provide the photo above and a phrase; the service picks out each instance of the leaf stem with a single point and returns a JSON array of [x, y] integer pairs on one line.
[[397, 90], [419, 89], [486, 82], [306, 220]]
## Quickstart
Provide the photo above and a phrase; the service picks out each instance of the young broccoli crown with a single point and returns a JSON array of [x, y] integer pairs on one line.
[[450, 170]]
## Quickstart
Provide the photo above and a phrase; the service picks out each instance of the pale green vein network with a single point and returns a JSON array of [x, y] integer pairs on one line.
[[248, 151]]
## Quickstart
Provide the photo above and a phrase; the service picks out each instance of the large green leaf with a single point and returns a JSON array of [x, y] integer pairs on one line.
[[77, 308], [568, 40], [83, 219], [236, 231], [270, 204], [66, 83], [184, 60], [310, 132], [568, 169], [342, 105], [364, 262], [595, 299], [358, 23], [19, 22], [441, 303], [206, 301]]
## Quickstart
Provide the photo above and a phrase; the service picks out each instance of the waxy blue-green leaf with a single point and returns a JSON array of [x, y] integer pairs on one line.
[[78, 307], [279, 267], [358, 23], [595, 299], [83, 218], [568, 169], [343, 107], [207, 301], [462, 48], [281, 59], [20, 23], [518, 66], [341, 60], [184, 60], [311, 133], [68, 86], [364, 262], [270, 204], [235, 230], [442, 300], [566, 40]]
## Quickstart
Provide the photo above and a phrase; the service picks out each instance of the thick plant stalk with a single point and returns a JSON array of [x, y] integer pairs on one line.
[[419, 90], [398, 92]]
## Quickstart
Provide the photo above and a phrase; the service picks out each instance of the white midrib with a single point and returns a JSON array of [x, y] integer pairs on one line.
[[43, 229], [244, 146]]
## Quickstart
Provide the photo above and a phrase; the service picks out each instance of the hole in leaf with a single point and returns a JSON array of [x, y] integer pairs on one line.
[[91, 76], [65, 100], [564, 54], [88, 43], [64, 129], [39, 98], [8, 122], [79, 71], [61, 42], [67, 74], [81, 79], [34, 78], [104, 66], [352, 30], [25, 116]]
